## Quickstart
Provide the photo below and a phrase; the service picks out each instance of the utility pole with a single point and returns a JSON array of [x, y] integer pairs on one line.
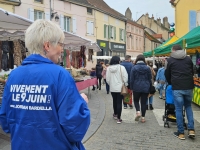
[[50, 9]]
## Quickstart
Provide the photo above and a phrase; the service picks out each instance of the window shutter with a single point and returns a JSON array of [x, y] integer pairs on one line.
[[115, 33], [192, 19], [105, 30], [198, 18], [120, 34], [91, 28], [124, 35], [74, 25], [88, 27], [31, 14], [47, 15], [62, 22], [110, 32]]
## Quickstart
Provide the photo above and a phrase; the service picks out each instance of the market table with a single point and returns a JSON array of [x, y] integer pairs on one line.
[[81, 85]]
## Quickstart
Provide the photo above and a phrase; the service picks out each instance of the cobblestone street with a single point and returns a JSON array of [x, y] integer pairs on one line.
[[105, 134]]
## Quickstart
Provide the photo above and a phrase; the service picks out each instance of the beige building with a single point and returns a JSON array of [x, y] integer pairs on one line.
[[9, 4], [155, 25], [134, 36]]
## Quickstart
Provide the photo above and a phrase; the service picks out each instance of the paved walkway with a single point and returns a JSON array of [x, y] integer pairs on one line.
[[105, 134], [131, 135]]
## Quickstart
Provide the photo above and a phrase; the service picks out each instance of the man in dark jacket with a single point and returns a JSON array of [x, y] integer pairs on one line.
[[99, 70], [179, 74], [128, 66]]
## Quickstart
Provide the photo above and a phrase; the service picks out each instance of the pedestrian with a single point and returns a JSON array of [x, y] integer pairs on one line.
[[128, 66], [104, 77], [115, 76], [99, 69], [41, 106], [93, 74], [140, 85], [179, 74], [160, 78], [149, 103]]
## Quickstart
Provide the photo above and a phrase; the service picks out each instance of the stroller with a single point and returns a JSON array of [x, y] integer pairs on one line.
[[170, 112]]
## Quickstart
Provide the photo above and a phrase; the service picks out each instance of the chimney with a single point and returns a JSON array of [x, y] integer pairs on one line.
[[128, 13], [159, 21], [152, 17], [147, 15], [165, 22]]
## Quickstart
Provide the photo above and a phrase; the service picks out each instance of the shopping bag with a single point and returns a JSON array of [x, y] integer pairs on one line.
[[124, 90], [128, 97]]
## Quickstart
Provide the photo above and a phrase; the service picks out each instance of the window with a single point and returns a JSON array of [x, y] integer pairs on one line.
[[38, 14], [89, 11], [39, 1], [128, 42], [105, 31], [112, 32], [67, 24], [132, 42], [136, 42], [121, 34], [132, 29], [90, 28]]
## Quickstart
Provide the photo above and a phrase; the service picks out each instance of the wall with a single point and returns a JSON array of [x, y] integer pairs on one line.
[[182, 15], [132, 47], [7, 7], [102, 19]]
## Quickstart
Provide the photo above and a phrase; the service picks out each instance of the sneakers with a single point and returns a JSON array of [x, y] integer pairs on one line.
[[181, 136], [119, 121], [125, 107], [115, 116], [191, 133], [137, 116], [160, 97]]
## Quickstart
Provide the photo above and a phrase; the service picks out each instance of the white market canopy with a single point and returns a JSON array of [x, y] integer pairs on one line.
[[12, 27]]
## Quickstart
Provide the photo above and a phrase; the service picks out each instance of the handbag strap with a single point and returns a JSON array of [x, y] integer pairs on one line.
[[121, 75]]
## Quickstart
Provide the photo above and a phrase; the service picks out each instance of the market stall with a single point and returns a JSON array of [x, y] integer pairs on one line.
[[12, 29]]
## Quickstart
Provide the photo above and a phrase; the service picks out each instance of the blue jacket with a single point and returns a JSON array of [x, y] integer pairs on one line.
[[42, 108], [161, 74], [128, 66], [140, 78]]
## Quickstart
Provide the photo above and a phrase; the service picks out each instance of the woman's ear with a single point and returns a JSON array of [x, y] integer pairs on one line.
[[46, 46]]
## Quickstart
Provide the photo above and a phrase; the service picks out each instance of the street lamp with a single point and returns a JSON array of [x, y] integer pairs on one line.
[[52, 14]]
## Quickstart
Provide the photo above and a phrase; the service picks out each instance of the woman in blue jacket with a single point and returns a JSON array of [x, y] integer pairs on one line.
[[140, 85], [41, 106]]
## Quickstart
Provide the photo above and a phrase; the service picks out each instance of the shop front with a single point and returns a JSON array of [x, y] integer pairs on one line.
[[118, 49], [104, 46]]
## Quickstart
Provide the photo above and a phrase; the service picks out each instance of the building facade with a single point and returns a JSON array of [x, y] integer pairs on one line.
[[9, 5], [134, 37], [191, 12], [110, 29], [150, 42], [155, 25]]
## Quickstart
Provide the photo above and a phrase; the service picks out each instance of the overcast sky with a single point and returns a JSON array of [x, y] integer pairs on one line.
[[159, 8]]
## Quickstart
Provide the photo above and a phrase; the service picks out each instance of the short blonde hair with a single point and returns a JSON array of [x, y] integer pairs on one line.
[[42, 31]]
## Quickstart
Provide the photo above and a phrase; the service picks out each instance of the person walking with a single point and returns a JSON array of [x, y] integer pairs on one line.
[[99, 69], [116, 75], [93, 74], [41, 106], [179, 74], [104, 77], [149, 103], [140, 85], [160, 78], [128, 66]]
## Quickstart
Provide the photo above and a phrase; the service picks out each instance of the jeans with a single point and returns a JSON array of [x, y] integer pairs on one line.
[[117, 103], [162, 89], [99, 83], [136, 98], [150, 100], [107, 86], [183, 98]]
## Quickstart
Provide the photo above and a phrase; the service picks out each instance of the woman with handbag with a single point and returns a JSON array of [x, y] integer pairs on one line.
[[116, 77], [140, 85]]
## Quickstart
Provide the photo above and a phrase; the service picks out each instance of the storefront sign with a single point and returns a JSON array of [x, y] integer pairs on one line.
[[117, 46], [102, 44]]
